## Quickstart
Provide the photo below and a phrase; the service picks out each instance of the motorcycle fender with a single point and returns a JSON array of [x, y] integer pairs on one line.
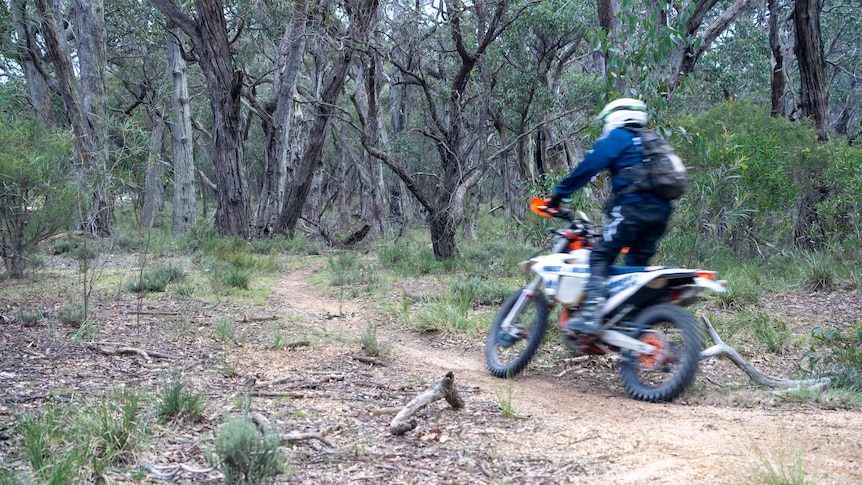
[[711, 284]]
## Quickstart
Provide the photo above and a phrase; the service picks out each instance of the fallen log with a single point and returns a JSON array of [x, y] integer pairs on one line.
[[445, 389], [721, 349]]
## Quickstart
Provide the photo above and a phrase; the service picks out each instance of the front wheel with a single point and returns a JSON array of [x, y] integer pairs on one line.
[[507, 359], [666, 373]]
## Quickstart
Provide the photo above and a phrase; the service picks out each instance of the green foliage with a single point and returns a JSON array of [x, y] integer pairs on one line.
[[176, 401], [72, 314], [371, 345], [225, 329], [837, 355], [245, 456], [156, 279], [37, 200], [749, 171], [773, 334], [75, 443], [408, 258]]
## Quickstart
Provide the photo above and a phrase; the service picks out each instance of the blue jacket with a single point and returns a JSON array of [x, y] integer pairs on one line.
[[618, 149]]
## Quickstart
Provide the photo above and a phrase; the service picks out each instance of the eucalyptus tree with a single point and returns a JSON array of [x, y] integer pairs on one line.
[[659, 43], [208, 33], [551, 79], [443, 67], [351, 33], [27, 54], [81, 84]]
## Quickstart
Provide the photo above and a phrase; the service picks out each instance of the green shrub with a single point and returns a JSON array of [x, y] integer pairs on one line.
[[72, 314], [178, 402], [37, 196], [245, 456], [837, 355], [156, 279]]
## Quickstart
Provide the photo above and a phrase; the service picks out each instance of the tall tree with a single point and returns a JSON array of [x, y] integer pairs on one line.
[[813, 90], [185, 202], [362, 16], [83, 89], [283, 142], [445, 85], [208, 33]]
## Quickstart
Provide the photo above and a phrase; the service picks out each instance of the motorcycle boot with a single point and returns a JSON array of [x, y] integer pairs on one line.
[[588, 322]]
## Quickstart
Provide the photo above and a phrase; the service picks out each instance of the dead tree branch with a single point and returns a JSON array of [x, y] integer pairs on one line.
[[445, 389], [722, 349]]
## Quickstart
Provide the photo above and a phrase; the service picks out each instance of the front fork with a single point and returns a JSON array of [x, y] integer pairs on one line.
[[524, 298]]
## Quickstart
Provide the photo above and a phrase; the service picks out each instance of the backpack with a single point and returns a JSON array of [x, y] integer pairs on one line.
[[662, 172]]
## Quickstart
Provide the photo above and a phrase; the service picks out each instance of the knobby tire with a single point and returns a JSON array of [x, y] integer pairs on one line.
[[683, 371], [523, 350]]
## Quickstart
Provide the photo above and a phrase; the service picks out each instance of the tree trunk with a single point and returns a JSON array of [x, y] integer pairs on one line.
[[210, 37], [778, 85], [154, 189], [363, 16], [182, 147], [31, 61], [813, 92], [281, 147]]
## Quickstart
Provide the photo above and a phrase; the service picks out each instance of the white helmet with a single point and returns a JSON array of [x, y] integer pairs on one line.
[[623, 112]]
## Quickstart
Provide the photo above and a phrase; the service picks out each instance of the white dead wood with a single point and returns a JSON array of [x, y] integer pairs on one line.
[[265, 426], [721, 349], [445, 389], [111, 348]]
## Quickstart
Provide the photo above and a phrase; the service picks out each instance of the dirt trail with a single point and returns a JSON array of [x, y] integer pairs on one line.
[[609, 436]]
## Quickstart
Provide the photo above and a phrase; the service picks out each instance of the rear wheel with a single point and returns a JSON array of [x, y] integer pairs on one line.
[[667, 372], [530, 324]]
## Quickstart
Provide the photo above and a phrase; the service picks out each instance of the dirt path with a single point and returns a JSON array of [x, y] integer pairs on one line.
[[587, 429]]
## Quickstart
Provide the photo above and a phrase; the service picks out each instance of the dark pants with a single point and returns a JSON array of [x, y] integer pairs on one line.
[[639, 226]]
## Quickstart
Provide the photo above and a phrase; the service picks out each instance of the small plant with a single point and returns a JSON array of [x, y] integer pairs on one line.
[[370, 343], [156, 279], [72, 314], [178, 402], [505, 399], [773, 334], [837, 355], [781, 466], [245, 456], [29, 316], [183, 289], [345, 269], [114, 428], [819, 272], [225, 329]]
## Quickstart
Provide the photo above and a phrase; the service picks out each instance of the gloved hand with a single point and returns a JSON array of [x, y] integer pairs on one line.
[[553, 202]]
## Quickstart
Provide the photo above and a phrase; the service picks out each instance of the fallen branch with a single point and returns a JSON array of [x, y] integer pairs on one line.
[[722, 349], [445, 389], [170, 471], [369, 360], [264, 425], [111, 348]]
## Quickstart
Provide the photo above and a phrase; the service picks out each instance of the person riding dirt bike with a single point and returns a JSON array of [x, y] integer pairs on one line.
[[636, 220]]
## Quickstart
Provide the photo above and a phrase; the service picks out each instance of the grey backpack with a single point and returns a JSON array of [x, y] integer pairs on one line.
[[662, 172]]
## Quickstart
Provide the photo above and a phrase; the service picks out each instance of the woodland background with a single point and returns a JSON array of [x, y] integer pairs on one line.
[[353, 118]]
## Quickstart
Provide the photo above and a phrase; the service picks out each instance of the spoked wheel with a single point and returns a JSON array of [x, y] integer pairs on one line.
[[667, 372], [529, 327]]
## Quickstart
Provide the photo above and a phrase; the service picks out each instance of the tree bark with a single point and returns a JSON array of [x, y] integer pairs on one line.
[[210, 38], [281, 147], [182, 146], [814, 97], [28, 54], [778, 84], [154, 189], [363, 17]]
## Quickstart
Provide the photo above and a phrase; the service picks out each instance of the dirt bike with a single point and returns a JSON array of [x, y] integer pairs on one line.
[[643, 319]]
